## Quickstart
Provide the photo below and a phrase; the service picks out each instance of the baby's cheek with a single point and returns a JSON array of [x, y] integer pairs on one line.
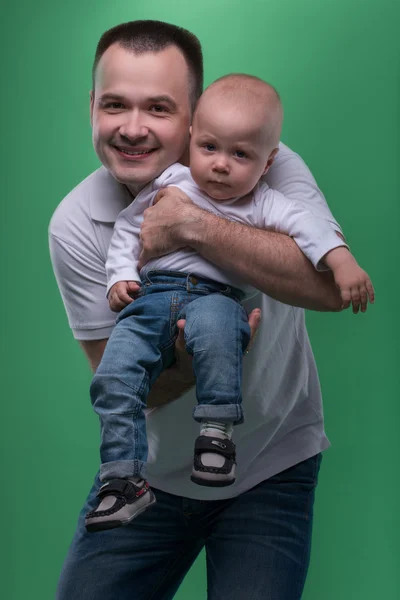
[[197, 172]]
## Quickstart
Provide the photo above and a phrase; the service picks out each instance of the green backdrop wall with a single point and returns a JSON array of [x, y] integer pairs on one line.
[[336, 64]]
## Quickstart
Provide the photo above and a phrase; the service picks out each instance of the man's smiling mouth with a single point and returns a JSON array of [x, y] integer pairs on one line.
[[137, 152]]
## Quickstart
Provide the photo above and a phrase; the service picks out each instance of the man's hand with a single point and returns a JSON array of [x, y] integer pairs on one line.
[[122, 293], [184, 360], [164, 222], [353, 282]]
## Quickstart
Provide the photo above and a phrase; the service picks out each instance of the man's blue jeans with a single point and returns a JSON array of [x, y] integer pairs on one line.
[[142, 346], [257, 545]]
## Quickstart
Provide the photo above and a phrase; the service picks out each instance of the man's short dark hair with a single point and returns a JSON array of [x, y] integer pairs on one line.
[[154, 36]]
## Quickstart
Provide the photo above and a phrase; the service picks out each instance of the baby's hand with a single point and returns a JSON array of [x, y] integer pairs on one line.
[[122, 294], [353, 282], [355, 287]]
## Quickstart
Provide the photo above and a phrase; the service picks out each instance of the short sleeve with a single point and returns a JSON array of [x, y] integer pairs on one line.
[[291, 177], [81, 278]]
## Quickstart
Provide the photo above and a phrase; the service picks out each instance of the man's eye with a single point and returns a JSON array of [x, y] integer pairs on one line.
[[210, 147], [114, 105], [240, 154], [158, 108]]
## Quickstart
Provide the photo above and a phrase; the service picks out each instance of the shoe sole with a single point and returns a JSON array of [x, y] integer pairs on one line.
[[210, 482], [103, 526]]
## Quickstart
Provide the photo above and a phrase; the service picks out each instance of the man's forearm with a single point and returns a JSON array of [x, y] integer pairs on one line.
[[270, 261]]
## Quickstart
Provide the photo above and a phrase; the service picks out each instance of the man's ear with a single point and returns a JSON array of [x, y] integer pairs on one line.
[[91, 106], [271, 159]]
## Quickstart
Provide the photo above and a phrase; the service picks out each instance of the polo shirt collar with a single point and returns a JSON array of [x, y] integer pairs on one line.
[[107, 197]]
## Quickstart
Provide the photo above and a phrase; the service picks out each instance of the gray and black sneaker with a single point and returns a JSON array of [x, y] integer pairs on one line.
[[214, 462], [121, 500]]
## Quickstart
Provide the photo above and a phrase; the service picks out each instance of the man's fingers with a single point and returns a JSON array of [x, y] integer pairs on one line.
[[183, 358], [254, 323], [160, 194], [180, 340], [142, 260]]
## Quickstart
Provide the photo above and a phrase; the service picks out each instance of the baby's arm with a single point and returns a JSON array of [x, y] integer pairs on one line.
[[122, 266], [123, 280], [320, 242], [353, 282]]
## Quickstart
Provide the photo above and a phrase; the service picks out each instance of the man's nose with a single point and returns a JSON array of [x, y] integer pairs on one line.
[[221, 164], [134, 126]]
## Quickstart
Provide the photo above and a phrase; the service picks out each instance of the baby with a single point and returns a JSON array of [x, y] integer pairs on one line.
[[234, 139]]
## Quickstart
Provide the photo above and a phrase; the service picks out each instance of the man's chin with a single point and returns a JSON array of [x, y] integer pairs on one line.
[[134, 176]]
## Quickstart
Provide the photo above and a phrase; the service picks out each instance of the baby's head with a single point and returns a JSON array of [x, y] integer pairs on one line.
[[234, 135]]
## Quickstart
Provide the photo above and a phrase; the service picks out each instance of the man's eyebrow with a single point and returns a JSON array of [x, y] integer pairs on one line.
[[153, 99], [106, 97]]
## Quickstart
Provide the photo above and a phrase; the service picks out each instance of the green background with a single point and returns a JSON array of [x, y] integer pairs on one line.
[[336, 65]]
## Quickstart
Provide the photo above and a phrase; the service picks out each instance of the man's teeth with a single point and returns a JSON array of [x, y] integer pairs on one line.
[[135, 153]]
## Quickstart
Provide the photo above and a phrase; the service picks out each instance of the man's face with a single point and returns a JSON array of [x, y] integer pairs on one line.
[[140, 113]]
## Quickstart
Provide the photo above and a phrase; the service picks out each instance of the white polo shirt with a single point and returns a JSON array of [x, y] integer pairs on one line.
[[281, 393]]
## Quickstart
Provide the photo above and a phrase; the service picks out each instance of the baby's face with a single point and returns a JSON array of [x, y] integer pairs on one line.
[[228, 148]]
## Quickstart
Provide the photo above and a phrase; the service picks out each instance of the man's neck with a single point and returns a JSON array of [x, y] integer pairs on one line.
[[135, 189]]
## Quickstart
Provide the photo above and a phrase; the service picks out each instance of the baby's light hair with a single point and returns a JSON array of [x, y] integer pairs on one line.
[[248, 91]]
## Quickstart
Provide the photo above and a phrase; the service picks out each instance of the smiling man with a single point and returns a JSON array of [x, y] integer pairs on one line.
[[147, 77], [145, 101]]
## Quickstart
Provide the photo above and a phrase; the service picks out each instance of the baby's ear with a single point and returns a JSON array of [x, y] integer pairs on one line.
[[270, 160]]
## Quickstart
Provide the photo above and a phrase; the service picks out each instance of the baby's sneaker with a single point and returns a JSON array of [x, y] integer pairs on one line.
[[214, 462], [121, 500]]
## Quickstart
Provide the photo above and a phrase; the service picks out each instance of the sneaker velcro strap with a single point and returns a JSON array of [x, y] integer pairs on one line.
[[206, 443], [122, 487]]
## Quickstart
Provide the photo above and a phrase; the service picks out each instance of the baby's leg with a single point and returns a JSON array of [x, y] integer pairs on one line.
[[140, 347], [216, 333]]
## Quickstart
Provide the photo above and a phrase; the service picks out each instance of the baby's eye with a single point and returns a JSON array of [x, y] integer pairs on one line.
[[240, 154], [210, 147]]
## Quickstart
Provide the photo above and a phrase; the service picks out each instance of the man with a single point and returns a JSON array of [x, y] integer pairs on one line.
[[147, 77]]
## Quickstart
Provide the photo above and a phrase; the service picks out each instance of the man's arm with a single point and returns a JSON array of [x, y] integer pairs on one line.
[[94, 350], [270, 261]]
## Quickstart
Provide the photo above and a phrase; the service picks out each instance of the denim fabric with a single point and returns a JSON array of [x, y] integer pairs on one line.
[[257, 545], [142, 346]]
